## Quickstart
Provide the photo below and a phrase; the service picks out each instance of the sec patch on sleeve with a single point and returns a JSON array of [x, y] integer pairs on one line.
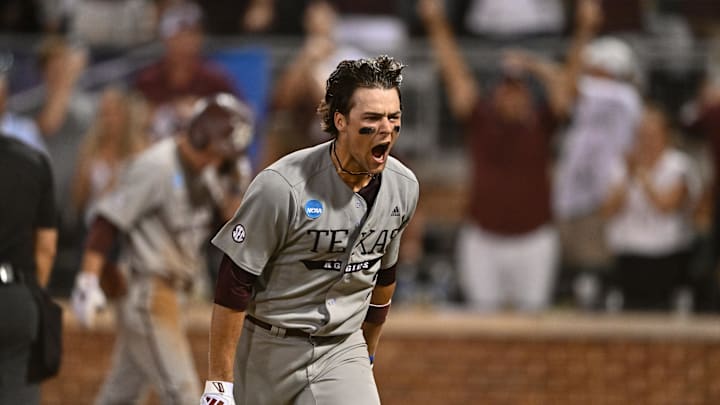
[[238, 233]]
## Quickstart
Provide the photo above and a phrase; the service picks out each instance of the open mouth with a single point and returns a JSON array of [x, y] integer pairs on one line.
[[380, 150]]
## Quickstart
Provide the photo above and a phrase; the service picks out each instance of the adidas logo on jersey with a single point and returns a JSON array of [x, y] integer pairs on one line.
[[395, 212]]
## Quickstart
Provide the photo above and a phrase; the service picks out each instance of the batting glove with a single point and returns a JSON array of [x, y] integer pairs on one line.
[[218, 393], [87, 298]]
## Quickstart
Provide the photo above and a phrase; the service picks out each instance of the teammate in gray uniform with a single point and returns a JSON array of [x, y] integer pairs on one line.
[[310, 256], [164, 210]]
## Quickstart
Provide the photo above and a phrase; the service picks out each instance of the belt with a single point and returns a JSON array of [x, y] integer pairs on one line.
[[283, 332]]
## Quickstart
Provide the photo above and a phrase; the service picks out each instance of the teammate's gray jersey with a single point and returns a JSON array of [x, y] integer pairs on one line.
[[165, 212], [313, 242]]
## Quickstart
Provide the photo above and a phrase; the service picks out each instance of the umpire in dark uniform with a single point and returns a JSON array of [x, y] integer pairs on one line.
[[28, 239]]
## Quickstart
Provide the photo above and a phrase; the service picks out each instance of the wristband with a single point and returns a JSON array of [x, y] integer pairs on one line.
[[377, 313], [219, 387], [372, 358]]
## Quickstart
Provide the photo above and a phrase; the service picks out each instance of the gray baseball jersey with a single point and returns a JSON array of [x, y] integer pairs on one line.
[[165, 211], [314, 243]]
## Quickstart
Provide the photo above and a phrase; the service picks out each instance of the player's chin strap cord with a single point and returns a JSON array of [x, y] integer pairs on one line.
[[344, 170]]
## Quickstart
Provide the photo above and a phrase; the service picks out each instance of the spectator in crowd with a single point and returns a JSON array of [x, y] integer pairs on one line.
[[294, 124], [61, 65], [27, 249], [649, 209], [182, 75], [117, 134], [507, 249], [15, 125], [602, 128], [63, 116]]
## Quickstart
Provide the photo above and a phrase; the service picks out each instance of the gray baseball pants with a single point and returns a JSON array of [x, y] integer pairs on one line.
[[274, 370], [151, 349]]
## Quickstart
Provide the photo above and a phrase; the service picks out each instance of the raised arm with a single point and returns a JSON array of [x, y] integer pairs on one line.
[[461, 87], [560, 80], [556, 84], [588, 18], [61, 74]]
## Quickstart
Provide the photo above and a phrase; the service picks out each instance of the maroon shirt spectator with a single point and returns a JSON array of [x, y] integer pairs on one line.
[[182, 75], [507, 248], [510, 191], [204, 78]]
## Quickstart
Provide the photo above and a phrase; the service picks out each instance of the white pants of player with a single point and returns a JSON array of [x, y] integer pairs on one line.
[[151, 349], [273, 370], [494, 270]]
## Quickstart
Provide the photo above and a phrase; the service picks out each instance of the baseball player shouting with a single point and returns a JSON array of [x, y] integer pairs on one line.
[[309, 266], [163, 207]]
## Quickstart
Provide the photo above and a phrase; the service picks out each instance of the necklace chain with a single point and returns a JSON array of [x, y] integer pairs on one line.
[[344, 170]]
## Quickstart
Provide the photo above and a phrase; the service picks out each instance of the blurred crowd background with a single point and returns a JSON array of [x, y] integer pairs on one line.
[[603, 200]]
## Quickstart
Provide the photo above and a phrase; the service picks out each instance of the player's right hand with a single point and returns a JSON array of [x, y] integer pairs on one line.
[[218, 393], [87, 298]]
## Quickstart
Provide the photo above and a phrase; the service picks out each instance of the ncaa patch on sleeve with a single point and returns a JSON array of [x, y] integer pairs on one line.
[[238, 233], [313, 209]]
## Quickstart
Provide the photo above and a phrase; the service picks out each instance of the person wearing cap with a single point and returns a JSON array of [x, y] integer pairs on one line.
[[608, 109], [163, 209], [182, 74], [507, 248]]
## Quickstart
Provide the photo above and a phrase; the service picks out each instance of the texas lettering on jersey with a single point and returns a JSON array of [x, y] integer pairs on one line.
[[371, 242], [335, 240]]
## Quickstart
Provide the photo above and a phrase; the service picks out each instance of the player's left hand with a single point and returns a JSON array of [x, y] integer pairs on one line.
[[218, 393], [87, 298]]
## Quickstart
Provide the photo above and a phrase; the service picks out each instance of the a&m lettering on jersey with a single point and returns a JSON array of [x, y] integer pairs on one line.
[[336, 265]]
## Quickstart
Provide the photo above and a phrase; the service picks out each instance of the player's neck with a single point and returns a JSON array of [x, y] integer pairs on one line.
[[356, 180]]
